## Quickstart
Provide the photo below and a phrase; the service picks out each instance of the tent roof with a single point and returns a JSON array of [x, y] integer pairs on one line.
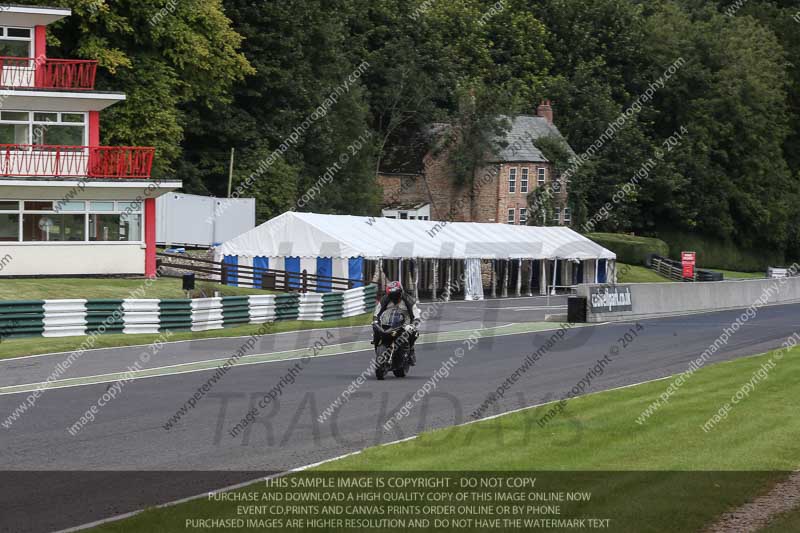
[[313, 235]]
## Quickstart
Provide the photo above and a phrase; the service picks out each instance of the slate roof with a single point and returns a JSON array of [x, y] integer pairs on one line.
[[407, 158], [518, 139]]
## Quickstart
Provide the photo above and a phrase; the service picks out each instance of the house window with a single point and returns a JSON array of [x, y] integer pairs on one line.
[[511, 213], [512, 180], [557, 215], [523, 184], [567, 215], [35, 128], [523, 216], [542, 175], [15, 42], [70, 221]]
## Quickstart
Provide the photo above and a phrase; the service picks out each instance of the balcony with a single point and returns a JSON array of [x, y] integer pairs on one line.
[[44, 73], [45, 161]]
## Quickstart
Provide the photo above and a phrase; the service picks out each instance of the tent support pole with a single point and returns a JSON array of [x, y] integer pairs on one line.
[[381, 277], [530, 277], [448, 291], [504, 292], [493, 278], [555, 273], [519, 278], [435, 277], [543, 277], [416, 279], [400, 270]]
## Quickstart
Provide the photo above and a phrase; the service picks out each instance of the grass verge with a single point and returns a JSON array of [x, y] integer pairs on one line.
[[638, 274], [38, 345], [671, 476], [90, 288], [732, 274]]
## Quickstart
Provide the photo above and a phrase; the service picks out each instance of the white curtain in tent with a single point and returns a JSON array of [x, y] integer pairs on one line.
[[473, 281]]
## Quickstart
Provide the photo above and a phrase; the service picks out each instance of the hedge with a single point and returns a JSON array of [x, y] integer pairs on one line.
[[712, 253], [630, 249]]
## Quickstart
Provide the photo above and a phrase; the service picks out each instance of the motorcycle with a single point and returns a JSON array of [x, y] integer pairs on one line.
[[392, 348]]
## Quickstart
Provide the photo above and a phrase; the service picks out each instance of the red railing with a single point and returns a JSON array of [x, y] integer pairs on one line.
[[44, 73], [26, 160]]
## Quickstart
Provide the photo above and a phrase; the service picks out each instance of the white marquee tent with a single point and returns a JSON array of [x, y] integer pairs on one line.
[[355, 247]]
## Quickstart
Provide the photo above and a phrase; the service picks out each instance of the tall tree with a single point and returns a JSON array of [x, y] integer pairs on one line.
[[163, 56]]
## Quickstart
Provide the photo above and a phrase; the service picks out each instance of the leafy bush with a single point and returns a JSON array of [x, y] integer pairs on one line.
[[712, 253], [629, 249]]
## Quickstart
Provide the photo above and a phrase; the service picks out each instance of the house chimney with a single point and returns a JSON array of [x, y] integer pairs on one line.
[[545, 110]]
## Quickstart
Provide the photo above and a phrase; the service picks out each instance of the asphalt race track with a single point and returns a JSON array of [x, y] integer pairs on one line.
[[126, 459]]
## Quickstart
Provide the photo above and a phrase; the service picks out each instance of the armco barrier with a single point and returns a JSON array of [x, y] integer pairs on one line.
[[22, 319], [206, 314], [651, 300], [262, 308], [65, 318]]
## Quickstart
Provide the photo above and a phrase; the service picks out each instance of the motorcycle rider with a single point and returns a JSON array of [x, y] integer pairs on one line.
[[396, 300]]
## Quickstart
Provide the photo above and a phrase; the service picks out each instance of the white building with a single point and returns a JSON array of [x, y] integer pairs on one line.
[[202, 221], [68, 206]]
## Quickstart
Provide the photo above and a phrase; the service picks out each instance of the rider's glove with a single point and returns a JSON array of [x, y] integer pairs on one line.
[[410, 328]]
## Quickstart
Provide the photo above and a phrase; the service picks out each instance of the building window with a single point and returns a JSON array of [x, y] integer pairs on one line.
[[523, 216], [542, 175], [59, 129], [567, 215], [557, 215], [512, 180], [50, 227], [75, 221], [116, 227], [15, 42], [523, 184], [511, 213], [556, 185]]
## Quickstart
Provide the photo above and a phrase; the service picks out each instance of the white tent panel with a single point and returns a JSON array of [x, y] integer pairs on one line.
[[313, 235]]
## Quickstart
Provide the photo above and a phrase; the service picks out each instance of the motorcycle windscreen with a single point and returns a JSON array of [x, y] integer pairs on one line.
[[392, 318]]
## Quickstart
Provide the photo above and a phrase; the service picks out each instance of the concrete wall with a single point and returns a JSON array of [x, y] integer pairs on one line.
[[72, 259], [651, 300]]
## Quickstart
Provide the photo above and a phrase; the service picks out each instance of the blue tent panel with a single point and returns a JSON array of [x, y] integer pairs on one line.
[[233, 269], [260, 264], [324, 268], [292, 264], [355, 270], [601, 274]]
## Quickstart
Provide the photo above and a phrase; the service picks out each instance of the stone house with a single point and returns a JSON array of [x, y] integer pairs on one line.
[[422, 186]]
